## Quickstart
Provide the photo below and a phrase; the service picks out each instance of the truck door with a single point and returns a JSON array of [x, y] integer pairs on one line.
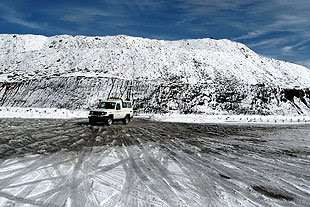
[[118, 114]]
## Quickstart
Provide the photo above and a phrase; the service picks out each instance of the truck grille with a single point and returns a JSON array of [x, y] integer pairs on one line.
[[97, 113]]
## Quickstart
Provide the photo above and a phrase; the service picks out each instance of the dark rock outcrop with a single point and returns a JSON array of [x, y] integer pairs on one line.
[[173, 95]]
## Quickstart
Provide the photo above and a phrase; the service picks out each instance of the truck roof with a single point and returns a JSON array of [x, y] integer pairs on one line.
[[114, 100]]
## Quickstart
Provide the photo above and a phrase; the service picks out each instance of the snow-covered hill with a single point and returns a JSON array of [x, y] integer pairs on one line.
[[189, 76]]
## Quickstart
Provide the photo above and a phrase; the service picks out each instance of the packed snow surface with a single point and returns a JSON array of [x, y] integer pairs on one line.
[[147, 163]]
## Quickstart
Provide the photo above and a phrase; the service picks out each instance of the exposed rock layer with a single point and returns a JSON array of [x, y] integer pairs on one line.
[[83, 92]]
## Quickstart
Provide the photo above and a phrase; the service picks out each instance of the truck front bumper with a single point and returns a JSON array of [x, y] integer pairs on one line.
[[97, 118]]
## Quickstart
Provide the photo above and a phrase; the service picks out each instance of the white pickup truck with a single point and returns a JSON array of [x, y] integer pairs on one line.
[[111, 110]]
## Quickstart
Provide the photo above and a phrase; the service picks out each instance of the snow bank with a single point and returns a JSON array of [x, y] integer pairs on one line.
[[54, 113], [45, 113], [231, 119]]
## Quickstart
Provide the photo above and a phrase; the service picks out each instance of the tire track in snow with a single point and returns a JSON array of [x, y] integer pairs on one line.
[[152, 164]]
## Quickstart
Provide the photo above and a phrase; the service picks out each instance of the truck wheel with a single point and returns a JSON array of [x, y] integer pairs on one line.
[[109, 121], [92, 122], [126, 120]]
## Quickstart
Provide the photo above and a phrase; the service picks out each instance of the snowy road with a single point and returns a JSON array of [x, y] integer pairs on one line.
[[69, 163]]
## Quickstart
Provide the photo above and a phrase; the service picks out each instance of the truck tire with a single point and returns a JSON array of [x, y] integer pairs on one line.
[[92, 122], [126, 120], [109, 121]]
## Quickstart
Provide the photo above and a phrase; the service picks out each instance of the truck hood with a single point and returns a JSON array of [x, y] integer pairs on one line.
[[103, 110]]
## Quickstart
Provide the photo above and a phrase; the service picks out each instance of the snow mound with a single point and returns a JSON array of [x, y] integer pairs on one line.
[[200, 60], [187, 76]]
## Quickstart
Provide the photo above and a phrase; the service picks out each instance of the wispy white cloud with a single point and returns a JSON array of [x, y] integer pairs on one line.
[[15, 17], [118, 14], [143, 5], [270, 42], [285, 16], [287, 50], [283, 23], [294, 49], [285, 34], [84, 15], [198, 7], [251, 35], [192, 10]]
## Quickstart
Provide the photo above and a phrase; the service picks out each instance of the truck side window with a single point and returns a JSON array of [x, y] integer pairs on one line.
[[118, 106], [127, 105]]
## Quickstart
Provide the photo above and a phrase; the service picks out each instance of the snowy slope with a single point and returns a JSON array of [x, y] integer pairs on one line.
[[131, 57], [225, 72]]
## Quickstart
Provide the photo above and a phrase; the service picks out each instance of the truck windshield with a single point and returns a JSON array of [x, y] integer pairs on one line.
[[106, 105]]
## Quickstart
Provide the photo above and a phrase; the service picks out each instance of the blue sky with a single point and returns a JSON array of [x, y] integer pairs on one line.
[[274, 28]]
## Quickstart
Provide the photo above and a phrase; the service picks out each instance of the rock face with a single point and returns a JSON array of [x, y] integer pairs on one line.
[[188, 76], [74, 92]]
